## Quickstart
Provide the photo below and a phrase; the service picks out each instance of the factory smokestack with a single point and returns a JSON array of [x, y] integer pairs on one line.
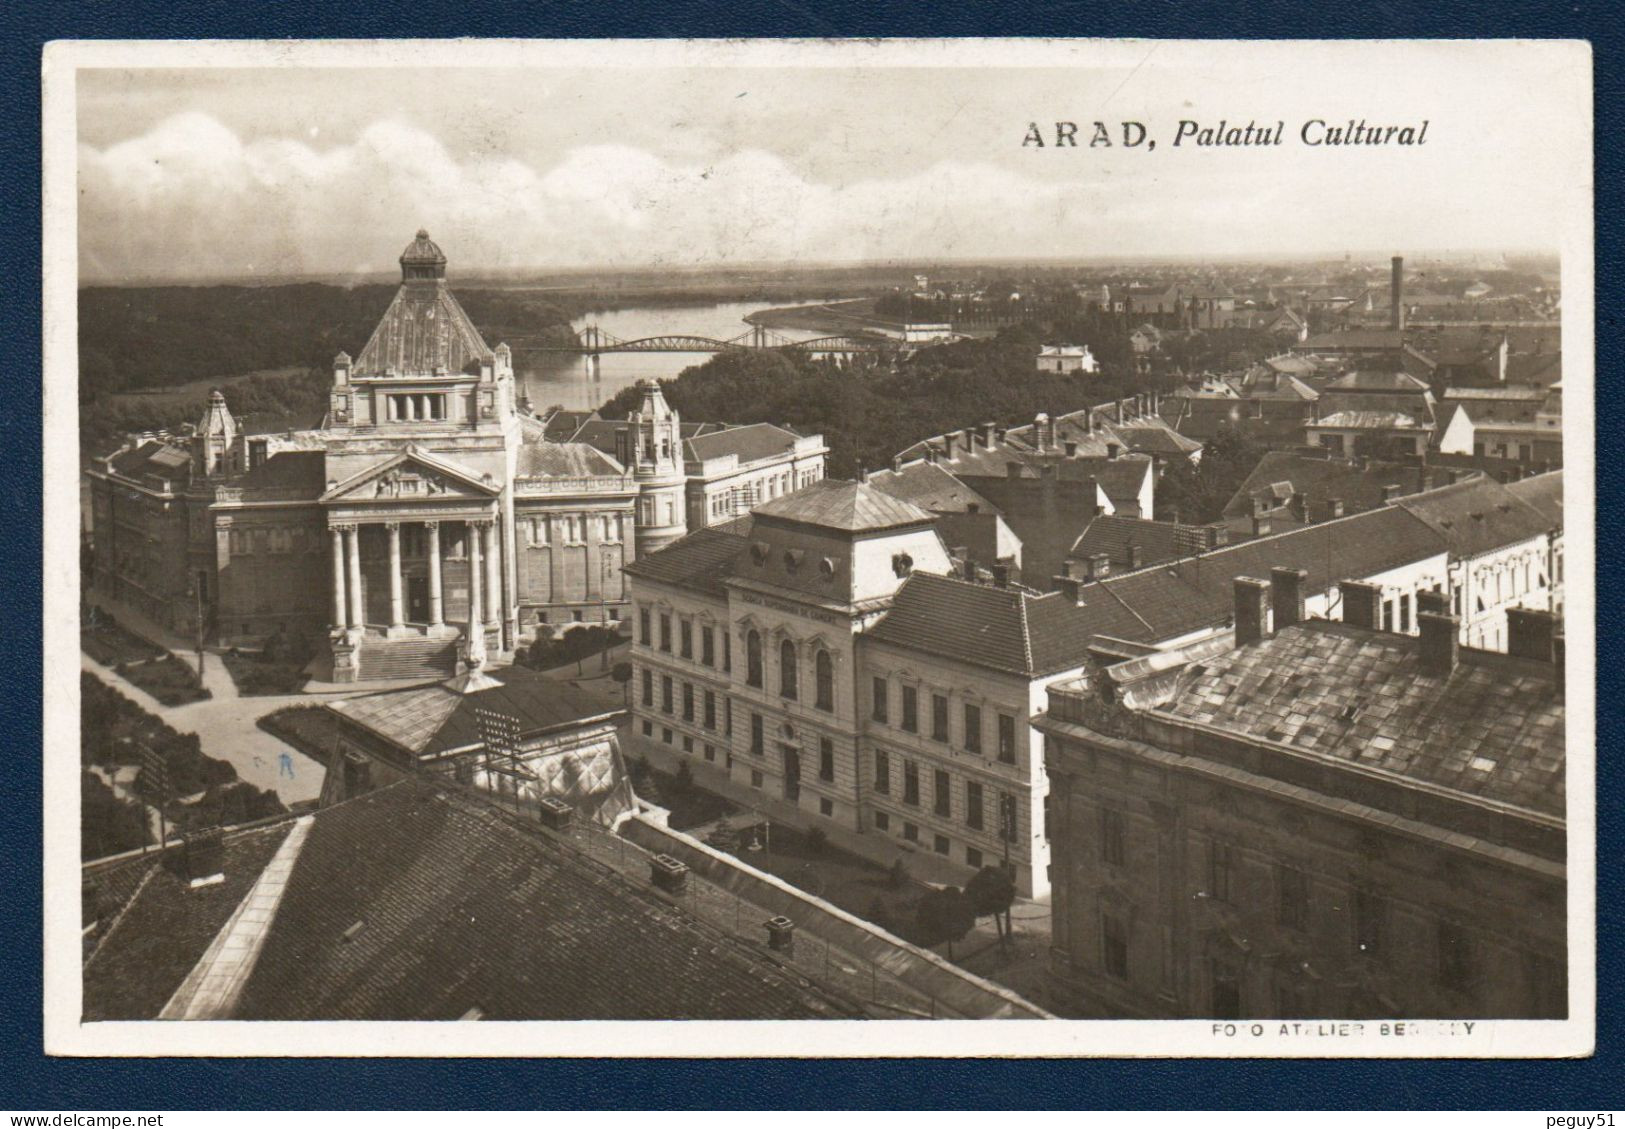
[[1396, 295]]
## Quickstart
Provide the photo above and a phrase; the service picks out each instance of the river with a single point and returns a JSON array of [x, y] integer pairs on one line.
[[561, 378]]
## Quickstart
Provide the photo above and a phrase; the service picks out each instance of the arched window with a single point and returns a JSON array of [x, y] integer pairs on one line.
[[787, 670], [824, 674], [753, 658]]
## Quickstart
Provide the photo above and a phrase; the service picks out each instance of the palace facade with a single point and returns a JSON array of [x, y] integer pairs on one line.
[[427, 518]]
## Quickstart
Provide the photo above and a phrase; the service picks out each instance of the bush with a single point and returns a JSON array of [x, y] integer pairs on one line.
[[817, 841], [107, 824]]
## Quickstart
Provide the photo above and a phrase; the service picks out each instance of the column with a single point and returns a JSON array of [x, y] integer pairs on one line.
[[493, 575], [358, 615], [396, 620], [435, 614], [338, 576], [476, 618]]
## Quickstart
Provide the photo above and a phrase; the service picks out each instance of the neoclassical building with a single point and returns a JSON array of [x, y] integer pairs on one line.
[[426, 517]]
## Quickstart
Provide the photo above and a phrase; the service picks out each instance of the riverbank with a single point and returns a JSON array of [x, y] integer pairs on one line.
[[850, 315]]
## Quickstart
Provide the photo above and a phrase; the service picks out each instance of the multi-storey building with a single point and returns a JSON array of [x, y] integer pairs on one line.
[[426, 516], [1327, 821]]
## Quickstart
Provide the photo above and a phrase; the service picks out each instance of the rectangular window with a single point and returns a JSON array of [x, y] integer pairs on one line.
[[688, 744], [944, 794], [756, 742], [648, 688], [939, 717], [710, 752], [940, 844], [911, 832], [973, 805], [1111, 837], [685, 638], [1007, 738], [1292, 898], [665, 735], [1370, 912], [1405, 612], [826, 759], [911, 710], [644, 635], [665, 633], [648, 729], [1218, 870], [973, 728], [1456, 958], [710, 710], [826, 807], [882, 773], [688, 701], [911, 783], [1114, 946], [708, 646], [728, 716], [665, 693], [755, 778], [880, 699], [973, 857], [727, 651], [882, 821]]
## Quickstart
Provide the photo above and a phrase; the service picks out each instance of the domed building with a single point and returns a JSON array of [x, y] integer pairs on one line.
[[428, 519]]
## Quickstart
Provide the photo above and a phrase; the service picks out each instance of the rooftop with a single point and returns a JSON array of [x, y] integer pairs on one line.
[[1156, 541], [424, 331], [1477, 516], [1493, 728], [749, 442], [850, 507]]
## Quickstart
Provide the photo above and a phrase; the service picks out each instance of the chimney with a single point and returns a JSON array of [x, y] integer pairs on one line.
[[1261, 525], [1300, 506], [930, 452], [1040, 431], [1088, 421], [1012, 470], [1100, 566], [1396, 294], [1216, 534], [1334, 508], [1362, 604], [948, 447], [1071, 448], [998, 434], [1071, 589], [1111, 450], [1438, 603], [1287, 595], [1531, 634], [203, 858], [990, 433], [896, 463], [1251, 597], [1135, 558], [1390, 492], [1438, 644], [1076, 568], [1001, 575]]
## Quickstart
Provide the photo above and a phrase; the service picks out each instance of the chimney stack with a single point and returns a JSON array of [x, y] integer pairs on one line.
[[1112, 450], [1075, 568], [1071, 448], [948, 447], [896, 463], [1438, 603], [1362, 604], [989, 434], [1396, 294], [1334, 508], [1438, 645], [1390, 492], [1135, 558], [1001, 575], [1261, 525], [1531, 634], [1287, 595], [1251, 598], [1071, 589], [1216, 534], [202, 858], [1040, 431], [1100, 566], [1300, 506]]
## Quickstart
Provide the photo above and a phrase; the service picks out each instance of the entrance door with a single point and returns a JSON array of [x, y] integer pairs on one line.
[[417, 599]]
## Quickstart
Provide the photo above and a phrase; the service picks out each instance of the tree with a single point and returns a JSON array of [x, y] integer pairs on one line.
[[944, 915], [622, 673], [991, 890]]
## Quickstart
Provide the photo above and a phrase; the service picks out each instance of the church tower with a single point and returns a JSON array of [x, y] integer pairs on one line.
[[216, 432], [655, 456]]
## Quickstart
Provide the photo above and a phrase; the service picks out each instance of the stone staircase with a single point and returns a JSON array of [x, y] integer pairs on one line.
[[402, 659]]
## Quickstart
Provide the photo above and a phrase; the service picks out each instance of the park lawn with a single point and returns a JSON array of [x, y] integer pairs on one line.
[[256, 676], [171, 681], [109, 644]]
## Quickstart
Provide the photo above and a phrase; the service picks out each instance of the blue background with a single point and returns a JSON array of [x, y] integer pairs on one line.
[[31, 1082]]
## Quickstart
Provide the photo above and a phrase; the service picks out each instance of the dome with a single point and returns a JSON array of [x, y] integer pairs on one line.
[[422, 258]]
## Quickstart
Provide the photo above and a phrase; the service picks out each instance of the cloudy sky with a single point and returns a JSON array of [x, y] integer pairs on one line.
[[320, 170]]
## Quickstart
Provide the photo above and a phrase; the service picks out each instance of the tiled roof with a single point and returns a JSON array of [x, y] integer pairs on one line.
[[1477, 516], [1493, 728], [851, 507], [1353, 339], [1543, 492], [153, 457], [701, 561], [561, 426], [157, 927], [437, 718], [1369, 380], [1514, 392], [1358, 485], [423, 330], [750, 442], [563, 460], [1375, 420], [1157, 541], [1003, 629], [930, 487], [1192, 595], [1156, 439]]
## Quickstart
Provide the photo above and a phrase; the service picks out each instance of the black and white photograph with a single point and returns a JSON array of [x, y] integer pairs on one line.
[[605, 542]]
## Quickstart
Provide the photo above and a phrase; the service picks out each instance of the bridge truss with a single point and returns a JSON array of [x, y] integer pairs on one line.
[[592, 341]]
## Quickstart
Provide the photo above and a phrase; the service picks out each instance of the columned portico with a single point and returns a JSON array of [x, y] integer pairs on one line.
[[431, 530], [397, 614]]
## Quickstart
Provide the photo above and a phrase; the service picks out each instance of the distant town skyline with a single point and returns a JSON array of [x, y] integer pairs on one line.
[[303, 172]]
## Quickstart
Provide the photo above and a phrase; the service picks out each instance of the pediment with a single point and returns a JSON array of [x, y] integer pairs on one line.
[[410, 476]]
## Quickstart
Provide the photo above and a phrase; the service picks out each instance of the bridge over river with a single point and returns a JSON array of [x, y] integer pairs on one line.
[[592, 341]]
